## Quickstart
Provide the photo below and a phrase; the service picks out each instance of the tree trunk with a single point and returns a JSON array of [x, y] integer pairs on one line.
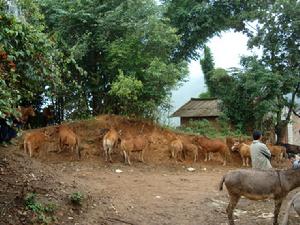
[[280, 130]]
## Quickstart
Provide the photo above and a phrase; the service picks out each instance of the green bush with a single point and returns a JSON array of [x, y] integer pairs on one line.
[[205, 127], [76, 198], [39, 209]]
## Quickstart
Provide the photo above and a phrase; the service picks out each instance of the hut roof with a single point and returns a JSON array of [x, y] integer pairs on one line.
[[197, 107]]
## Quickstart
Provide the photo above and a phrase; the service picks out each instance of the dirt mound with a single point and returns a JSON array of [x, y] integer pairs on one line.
[[90, 134]]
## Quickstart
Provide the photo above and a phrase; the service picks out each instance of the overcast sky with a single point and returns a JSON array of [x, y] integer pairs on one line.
[[227, 50]]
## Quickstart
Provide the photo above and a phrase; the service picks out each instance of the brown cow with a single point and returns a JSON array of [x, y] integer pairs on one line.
[[33, 141], [244, 151], [48, 115], [68, 140], [189, 147], [110, 140], [134, 144], [176, 148], [210, 146], [25, 112], [277, 151]]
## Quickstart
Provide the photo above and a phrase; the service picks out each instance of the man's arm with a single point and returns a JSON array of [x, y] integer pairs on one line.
[[265, 151]]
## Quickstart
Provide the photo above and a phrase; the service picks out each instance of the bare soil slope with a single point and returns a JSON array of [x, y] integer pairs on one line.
[[158, 192]]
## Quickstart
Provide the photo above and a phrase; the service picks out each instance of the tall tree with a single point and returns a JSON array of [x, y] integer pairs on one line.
[[247, 94], [114, 39], [199, 20], [278, 35], [207, 65], [21, 77]]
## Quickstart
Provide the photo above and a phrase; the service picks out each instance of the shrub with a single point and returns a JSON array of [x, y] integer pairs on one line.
[[76, 198]]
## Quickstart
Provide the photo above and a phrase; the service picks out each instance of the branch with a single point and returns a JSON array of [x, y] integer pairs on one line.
[[297, 114], [292, 102]]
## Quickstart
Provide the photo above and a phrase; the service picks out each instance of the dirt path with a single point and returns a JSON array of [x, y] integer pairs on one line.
[[146, 195]]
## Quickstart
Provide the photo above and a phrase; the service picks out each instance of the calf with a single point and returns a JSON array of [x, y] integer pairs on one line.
[[68, 140], [278, 152], [211, 146], [244, 151], [188, 147], [133, 144], [176, 148], [33, 141], [26, 113], [110, 141]]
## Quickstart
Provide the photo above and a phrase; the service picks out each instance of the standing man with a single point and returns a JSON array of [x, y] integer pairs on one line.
[[260, 154]]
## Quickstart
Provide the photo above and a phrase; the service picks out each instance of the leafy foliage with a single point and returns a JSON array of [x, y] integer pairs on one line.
[[197, 21], [42, 211], [129, 36], [22, 46], [277, 34], [207, 66], [207, 128], [76, 198], [247, 95]]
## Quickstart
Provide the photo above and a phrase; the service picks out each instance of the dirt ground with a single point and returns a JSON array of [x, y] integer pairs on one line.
[[159, 191]]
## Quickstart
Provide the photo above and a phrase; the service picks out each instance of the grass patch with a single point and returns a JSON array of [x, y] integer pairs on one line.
[[43, 212]]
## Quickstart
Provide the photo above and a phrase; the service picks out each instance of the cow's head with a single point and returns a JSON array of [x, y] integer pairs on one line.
[[30, 111], [236, 146]]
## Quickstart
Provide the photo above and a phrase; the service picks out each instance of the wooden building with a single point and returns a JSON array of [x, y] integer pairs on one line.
[[198, 109]]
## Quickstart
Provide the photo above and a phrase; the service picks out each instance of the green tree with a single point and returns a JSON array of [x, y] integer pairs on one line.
[[207, 65], [21, 77], [277, 34], [107, 37], [198, 21], [248, 94]]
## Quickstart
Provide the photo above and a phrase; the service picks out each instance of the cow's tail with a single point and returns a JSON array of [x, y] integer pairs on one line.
[[221, 183]]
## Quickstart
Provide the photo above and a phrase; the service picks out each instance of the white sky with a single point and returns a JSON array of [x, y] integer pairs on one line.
[[226, 50]]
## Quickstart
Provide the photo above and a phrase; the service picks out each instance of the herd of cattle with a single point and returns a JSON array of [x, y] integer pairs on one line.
[[179, 145]]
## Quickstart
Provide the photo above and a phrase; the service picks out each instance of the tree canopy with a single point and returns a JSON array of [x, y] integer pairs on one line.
[[131, 38], [125, 57], [267, 84], [21, 47]]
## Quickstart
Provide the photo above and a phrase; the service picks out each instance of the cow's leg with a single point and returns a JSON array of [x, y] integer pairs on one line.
[[128, 158], [105, 148], [195, 156], [109, 153], [232, 204], [125, 156], [175, 155], [224, 159], [30, 150], [244, 163], [180, 156], [206, 156], [247, 161], [25, 148], [276, 211], [142, 156], [59, 146]]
